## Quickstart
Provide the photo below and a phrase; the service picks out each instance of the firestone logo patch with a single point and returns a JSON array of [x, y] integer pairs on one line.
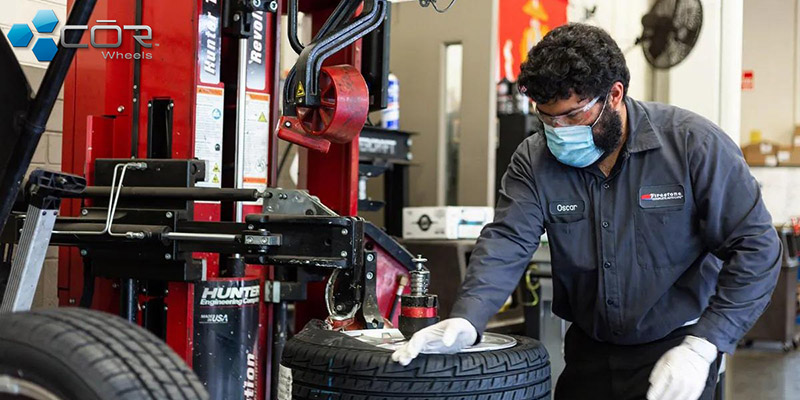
[[662, 196]]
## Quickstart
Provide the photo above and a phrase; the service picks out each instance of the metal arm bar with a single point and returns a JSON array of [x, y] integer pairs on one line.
[[173, 193]]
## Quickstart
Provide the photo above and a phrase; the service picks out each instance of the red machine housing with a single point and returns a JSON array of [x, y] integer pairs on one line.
[[106, 115], [339, 119], [106, 110]]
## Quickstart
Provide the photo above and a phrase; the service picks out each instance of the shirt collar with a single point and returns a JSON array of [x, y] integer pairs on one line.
[[642, 135]]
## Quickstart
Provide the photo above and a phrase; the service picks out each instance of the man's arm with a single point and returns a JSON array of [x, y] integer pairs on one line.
[[505, 246], [739, 230]]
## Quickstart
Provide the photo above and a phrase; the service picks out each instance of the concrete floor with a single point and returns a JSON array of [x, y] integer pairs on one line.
[[763, 374]]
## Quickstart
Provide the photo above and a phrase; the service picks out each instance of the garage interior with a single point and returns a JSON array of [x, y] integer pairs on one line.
[[263, 199]]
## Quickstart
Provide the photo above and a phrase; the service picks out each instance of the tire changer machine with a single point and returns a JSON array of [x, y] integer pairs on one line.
[[167, 212]]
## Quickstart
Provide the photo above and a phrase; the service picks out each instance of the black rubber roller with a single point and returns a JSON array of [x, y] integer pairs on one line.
[[417, 312]]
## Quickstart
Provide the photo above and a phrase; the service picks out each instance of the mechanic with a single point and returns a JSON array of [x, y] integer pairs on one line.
[[663, 252]]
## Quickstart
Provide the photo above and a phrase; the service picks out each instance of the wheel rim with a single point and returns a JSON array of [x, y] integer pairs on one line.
[[392, 339], [18, 388]]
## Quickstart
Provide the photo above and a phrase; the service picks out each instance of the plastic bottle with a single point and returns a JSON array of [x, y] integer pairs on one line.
[[390, 117]]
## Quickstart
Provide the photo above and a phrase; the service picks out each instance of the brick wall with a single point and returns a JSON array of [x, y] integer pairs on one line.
[[48, 154]]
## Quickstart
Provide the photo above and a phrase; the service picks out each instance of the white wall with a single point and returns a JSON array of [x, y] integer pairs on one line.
[[770, 51], [694, 84], [419, 36], [732, 33], [622, 20], [708, 81], [48, 154], [797, 64]]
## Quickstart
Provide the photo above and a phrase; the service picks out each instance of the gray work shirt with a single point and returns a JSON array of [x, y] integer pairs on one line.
[[677, 231]]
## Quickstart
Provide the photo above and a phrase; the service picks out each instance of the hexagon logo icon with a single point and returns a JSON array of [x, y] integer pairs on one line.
[[45, 21], [45, 49], [20, 35]]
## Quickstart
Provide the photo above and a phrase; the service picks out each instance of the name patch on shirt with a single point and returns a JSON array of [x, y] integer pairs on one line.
[[567, 207], [661, 196]]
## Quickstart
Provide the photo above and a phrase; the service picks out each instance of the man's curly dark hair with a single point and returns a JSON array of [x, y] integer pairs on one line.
[[575, 58]]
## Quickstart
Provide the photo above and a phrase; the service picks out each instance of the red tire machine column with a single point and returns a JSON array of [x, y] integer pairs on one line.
[[200, 86]]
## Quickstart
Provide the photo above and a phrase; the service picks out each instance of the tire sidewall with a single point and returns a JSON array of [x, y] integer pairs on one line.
[[48, 370]]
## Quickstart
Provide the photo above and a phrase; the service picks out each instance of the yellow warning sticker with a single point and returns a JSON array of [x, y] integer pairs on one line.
[[210, 103], [301, 91], [256, 140]]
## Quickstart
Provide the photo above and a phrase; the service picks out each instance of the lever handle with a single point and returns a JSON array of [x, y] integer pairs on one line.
[[291, 131]]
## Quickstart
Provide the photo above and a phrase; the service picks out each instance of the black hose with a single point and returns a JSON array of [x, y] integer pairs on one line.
[[370, 19], [444, 10], [339, 18], [294, 40]]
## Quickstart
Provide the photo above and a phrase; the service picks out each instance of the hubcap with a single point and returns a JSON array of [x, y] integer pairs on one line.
[[17, 388]]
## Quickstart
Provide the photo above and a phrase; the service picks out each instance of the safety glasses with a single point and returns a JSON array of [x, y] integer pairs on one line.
[[575, 117]]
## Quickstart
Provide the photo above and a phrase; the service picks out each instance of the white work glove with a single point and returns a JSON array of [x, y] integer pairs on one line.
[[681, 373], [448, 336]]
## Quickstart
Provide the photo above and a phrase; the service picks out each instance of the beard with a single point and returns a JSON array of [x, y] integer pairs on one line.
[[607, 133]]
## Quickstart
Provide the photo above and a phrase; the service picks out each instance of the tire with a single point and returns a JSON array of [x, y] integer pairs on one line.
[[324, 365], [79, 354]]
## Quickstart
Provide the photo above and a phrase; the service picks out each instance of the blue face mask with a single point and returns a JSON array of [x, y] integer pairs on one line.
[[574, 145]]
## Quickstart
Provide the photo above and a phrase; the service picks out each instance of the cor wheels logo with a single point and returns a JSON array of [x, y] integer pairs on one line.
[[45, 21], [20, 35]]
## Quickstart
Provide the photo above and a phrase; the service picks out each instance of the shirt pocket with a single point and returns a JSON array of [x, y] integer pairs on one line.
[[659, 235], [571, 243]]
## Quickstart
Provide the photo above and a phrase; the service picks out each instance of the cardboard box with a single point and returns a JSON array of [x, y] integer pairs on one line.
[[762, 154], [779, 191], [788, 156], [445, 222], [796, 138]]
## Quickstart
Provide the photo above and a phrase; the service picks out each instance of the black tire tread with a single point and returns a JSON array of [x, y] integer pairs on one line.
[[336, 373], [116, 359]]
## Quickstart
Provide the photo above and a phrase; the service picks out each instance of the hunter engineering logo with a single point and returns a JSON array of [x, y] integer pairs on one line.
[[230, 296], [106, 34]]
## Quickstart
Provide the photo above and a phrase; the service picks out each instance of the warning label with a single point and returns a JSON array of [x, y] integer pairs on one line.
[[208, 136], [256, 142]]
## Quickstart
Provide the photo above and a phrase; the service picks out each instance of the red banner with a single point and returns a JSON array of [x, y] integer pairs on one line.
[[522, 24]]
